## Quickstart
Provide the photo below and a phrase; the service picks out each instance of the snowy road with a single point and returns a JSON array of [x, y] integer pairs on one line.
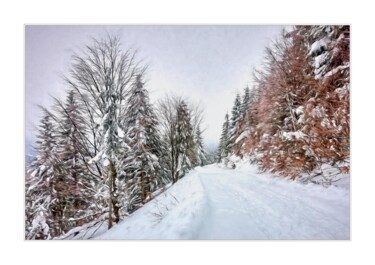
[[259, 207], [220, 203]]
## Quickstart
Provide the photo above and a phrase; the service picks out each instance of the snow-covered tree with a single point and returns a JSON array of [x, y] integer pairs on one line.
[[246, 98], [299, 119], [141, 163], [201, 154], [242, 131], [235, 118], [78, 191], [168, 127], [179, 147], [284, 85], [101, 77], [185, 140], [43, 208], [224, 145], [327, 113]]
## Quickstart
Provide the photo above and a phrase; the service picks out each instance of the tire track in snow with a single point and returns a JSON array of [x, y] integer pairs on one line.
[[317, 211], [272, 213], [226, 221], [218, 203]]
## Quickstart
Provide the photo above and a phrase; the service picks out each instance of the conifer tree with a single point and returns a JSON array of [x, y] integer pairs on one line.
[[224, 145], [242, 131], [43, 209], [245, 101], [78, 184], [234, 120], [141, 163], [200, 151], [179, 152], [185, 139]]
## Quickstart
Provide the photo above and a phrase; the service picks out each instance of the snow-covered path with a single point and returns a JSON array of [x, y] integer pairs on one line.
[[260, 207], [219, 203]]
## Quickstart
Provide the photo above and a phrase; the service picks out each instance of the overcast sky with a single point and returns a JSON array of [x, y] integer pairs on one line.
[[206, 64]]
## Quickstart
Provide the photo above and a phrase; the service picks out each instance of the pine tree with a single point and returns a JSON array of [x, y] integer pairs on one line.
[[167, 160], [234, 120], [43, 209], [178, 137], [245, 102], [242, 131], [141, 163], [78, 184], [185, 139], [200, 151], [224, 145]]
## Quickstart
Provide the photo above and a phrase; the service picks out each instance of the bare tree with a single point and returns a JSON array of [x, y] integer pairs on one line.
[[168, 124], [101, 76], [179, 121]]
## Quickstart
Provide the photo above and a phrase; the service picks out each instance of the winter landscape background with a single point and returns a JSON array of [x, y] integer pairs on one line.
[[198, 132]]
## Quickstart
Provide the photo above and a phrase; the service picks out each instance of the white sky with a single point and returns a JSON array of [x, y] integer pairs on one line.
[[207, 64]]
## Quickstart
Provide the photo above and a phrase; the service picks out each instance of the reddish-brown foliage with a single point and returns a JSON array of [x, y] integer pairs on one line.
[[300, 118]]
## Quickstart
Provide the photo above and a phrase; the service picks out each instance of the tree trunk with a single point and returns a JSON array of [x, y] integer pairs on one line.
[[172, 168], [57, 213], [113, 205], [143, 186], [110, 204]]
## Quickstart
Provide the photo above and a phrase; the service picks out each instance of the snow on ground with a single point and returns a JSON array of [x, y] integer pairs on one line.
[[86, 231], [214, 202]]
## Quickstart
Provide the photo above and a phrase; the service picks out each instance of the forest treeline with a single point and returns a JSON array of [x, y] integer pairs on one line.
[[103, 150], [296, 118]]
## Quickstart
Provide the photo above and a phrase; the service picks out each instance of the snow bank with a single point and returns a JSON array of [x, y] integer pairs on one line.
[[176, 214], [86, 231], [214, 202]]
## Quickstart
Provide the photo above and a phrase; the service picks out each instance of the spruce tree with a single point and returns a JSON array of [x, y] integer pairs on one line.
[[200, 151], [78, 185], [43, 210], [185, 139], [224, 145], [241, 131], [141, 163], [179, 152], [245, 102], [235, 117]]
